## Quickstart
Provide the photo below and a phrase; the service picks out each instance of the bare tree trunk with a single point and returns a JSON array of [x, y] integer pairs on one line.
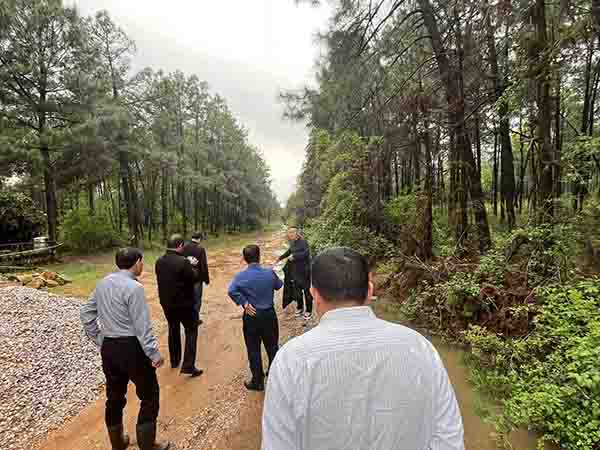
[[127, 197], [164, 198], [50, 192], [478, 144], [544, 116], [452, 82], [507, 174], [495, 175], [91, 202]]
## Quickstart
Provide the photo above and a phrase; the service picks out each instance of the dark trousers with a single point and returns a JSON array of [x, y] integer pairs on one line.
[[124, 360], [306, 298], [188, 317], [263, 328], [198, 294]]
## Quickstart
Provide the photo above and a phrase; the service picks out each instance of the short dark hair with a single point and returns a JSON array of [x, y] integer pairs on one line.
[[341, 274], [197, 235], [175, 241], [127, 257], [251, 254]]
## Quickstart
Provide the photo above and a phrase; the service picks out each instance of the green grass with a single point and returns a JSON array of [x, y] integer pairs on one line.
[[86, 270], [84, 276]]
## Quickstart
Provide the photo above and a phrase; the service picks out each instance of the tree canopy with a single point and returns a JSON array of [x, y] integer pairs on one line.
[[157, 148]]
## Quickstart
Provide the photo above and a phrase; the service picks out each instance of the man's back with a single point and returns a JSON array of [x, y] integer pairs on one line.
[[357, 382], [197, 251], [112, 296], [255, 285], [175, 277]]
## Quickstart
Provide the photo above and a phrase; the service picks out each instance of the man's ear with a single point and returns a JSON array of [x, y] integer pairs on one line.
[[370, 292], [315, 294]]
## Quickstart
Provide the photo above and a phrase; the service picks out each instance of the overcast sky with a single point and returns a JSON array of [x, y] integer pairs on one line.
[[247, 50]]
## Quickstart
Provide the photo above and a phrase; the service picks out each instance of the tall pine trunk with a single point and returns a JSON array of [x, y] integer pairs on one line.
[[507, 174], [456, 103], [544, 114]]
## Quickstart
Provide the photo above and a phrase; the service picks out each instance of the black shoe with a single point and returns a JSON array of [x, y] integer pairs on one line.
[[118, 439], [253, 386], [192, 372], [146, 438]]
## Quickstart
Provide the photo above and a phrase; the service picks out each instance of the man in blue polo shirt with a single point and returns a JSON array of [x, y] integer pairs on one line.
[[253, 289]]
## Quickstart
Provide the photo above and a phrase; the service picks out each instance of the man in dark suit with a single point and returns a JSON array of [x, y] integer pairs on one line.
[[176, 277], [195, 250], [299, 268]]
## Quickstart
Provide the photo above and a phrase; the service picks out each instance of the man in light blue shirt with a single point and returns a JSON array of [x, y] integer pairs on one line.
[[253, 289]]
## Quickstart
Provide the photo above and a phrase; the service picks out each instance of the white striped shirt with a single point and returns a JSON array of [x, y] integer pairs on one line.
[[358, 382]]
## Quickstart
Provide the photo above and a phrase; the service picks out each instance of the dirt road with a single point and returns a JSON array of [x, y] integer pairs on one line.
[[213, 411]]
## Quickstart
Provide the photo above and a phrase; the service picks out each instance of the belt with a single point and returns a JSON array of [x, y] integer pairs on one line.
[[263, 311], [120, 338]]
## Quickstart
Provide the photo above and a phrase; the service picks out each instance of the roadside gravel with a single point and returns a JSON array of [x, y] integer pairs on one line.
[[49, 369]]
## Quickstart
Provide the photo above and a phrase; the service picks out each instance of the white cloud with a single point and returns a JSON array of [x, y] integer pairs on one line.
[[248, 51]]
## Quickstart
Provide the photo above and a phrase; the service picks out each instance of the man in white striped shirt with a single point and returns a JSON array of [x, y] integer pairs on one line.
[[355, 381]]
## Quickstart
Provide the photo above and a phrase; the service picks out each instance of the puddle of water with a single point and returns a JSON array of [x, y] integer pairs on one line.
[[478, 434]]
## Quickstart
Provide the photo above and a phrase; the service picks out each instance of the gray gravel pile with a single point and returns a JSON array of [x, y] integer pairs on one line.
[[49, 369]]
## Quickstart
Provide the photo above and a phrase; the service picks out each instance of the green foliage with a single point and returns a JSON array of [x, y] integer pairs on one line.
[[462, 286], [402, 210], [546, 252], [322, 234], [84, 232], [551, 379], [587, 221], [491, 267], [345, 218], [443, 241], [20, 220]]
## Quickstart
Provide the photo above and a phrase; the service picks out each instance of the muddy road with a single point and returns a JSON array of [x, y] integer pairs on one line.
[[212, 411]]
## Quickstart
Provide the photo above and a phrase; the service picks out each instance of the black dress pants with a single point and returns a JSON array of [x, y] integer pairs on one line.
[[262, 328], [124, 360], [198, 288], [304, 300], [188, 317]]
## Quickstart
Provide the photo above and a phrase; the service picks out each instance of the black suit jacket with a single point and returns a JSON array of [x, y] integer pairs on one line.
[[198, 252], [176, 278], [300, 266]]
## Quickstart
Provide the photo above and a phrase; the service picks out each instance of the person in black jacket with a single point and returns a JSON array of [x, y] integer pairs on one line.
[[195, 250], [176, 277], [299, 268]]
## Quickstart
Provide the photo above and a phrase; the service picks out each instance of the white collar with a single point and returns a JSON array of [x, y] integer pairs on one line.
[[344, 316]]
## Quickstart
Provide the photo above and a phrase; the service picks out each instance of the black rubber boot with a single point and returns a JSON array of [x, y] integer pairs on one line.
[[254, 386], [146, 438], [118, 439]]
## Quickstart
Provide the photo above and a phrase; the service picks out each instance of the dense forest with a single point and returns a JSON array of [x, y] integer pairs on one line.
[[104, 151], [456, 144]]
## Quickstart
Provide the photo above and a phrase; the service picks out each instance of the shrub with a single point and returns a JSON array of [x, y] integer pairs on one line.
[[20, 220], [552, 377], [491, 267], [402, 210], [322, 234], [84, 232], [547, 252]]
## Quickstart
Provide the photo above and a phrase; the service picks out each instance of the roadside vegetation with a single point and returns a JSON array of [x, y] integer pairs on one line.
[[455, 144]]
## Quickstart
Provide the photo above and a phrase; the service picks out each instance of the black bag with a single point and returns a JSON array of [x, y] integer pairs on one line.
[[291, 290]]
